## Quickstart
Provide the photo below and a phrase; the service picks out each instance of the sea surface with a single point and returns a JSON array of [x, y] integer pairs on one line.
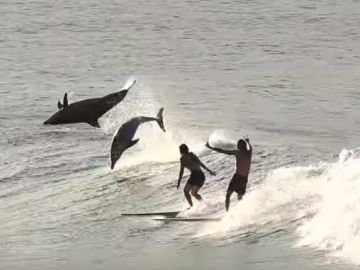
[[285, 72]]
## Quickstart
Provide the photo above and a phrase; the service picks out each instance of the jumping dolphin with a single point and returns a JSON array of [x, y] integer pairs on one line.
[[124, 136], [86, 111]]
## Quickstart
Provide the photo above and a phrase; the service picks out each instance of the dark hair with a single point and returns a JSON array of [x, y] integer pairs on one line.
[[184, 149], [242, 145]]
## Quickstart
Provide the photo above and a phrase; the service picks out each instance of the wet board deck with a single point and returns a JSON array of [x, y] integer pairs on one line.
[[171, 214], [189, 219]]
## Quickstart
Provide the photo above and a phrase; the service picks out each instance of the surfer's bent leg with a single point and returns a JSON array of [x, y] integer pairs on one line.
[[238, 184], [194, 192], [187, 189], [197, 180]]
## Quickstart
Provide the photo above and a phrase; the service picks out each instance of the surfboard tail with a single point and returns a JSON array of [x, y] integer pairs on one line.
[[160, 120]]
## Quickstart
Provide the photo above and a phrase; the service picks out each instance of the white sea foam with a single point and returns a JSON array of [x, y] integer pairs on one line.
[[325, 197]]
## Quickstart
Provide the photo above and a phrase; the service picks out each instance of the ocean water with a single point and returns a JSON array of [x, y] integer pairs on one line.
[[286, 73]]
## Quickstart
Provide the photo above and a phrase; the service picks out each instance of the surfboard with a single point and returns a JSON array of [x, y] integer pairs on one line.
[[188, 219], [171, 214]]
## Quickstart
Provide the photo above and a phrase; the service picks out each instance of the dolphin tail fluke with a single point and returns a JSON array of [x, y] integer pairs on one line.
[[128, 87], [159, 119]]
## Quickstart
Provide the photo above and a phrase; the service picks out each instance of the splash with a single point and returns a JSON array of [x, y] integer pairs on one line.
[[323, 198], [132, 105], [335, 227], [154, 145], [282, 196], [220, 137]]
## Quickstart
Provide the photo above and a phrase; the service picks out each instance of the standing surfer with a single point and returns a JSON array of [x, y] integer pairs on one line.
[[191, 162], [243, 157]]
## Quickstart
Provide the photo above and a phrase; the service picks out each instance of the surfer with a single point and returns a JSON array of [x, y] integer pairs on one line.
[[191, 162], [243, 162]]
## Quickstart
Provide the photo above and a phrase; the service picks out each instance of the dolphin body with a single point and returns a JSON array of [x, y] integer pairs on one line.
[[86, 111], [124, 136]]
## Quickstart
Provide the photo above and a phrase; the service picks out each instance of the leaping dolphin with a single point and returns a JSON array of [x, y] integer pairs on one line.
[[86, 111], [124, 136]]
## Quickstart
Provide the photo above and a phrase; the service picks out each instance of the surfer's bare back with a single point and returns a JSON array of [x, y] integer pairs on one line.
[[243, 155]]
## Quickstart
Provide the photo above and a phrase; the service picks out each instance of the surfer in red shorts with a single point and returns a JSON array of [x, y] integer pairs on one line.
[[191, 162], [243, 162]]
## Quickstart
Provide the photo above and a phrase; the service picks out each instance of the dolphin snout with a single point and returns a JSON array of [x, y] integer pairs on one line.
[[46, 122]]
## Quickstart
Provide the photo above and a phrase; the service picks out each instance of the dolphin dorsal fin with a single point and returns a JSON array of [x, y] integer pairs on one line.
[[59, 105], [65, 101]]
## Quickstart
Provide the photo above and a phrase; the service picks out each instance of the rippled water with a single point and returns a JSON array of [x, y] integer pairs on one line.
[[285, 73]]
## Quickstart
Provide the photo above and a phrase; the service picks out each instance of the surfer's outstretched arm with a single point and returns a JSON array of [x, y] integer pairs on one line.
[[203, 165], [206, 168], [181, 173], [222, 151]]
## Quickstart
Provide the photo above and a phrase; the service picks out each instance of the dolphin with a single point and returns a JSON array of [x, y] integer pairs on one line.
[[124, 136], [86, 111]]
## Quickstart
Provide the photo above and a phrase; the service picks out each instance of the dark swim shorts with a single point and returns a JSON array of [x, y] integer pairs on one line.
[[238, 184], [197, 178]]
